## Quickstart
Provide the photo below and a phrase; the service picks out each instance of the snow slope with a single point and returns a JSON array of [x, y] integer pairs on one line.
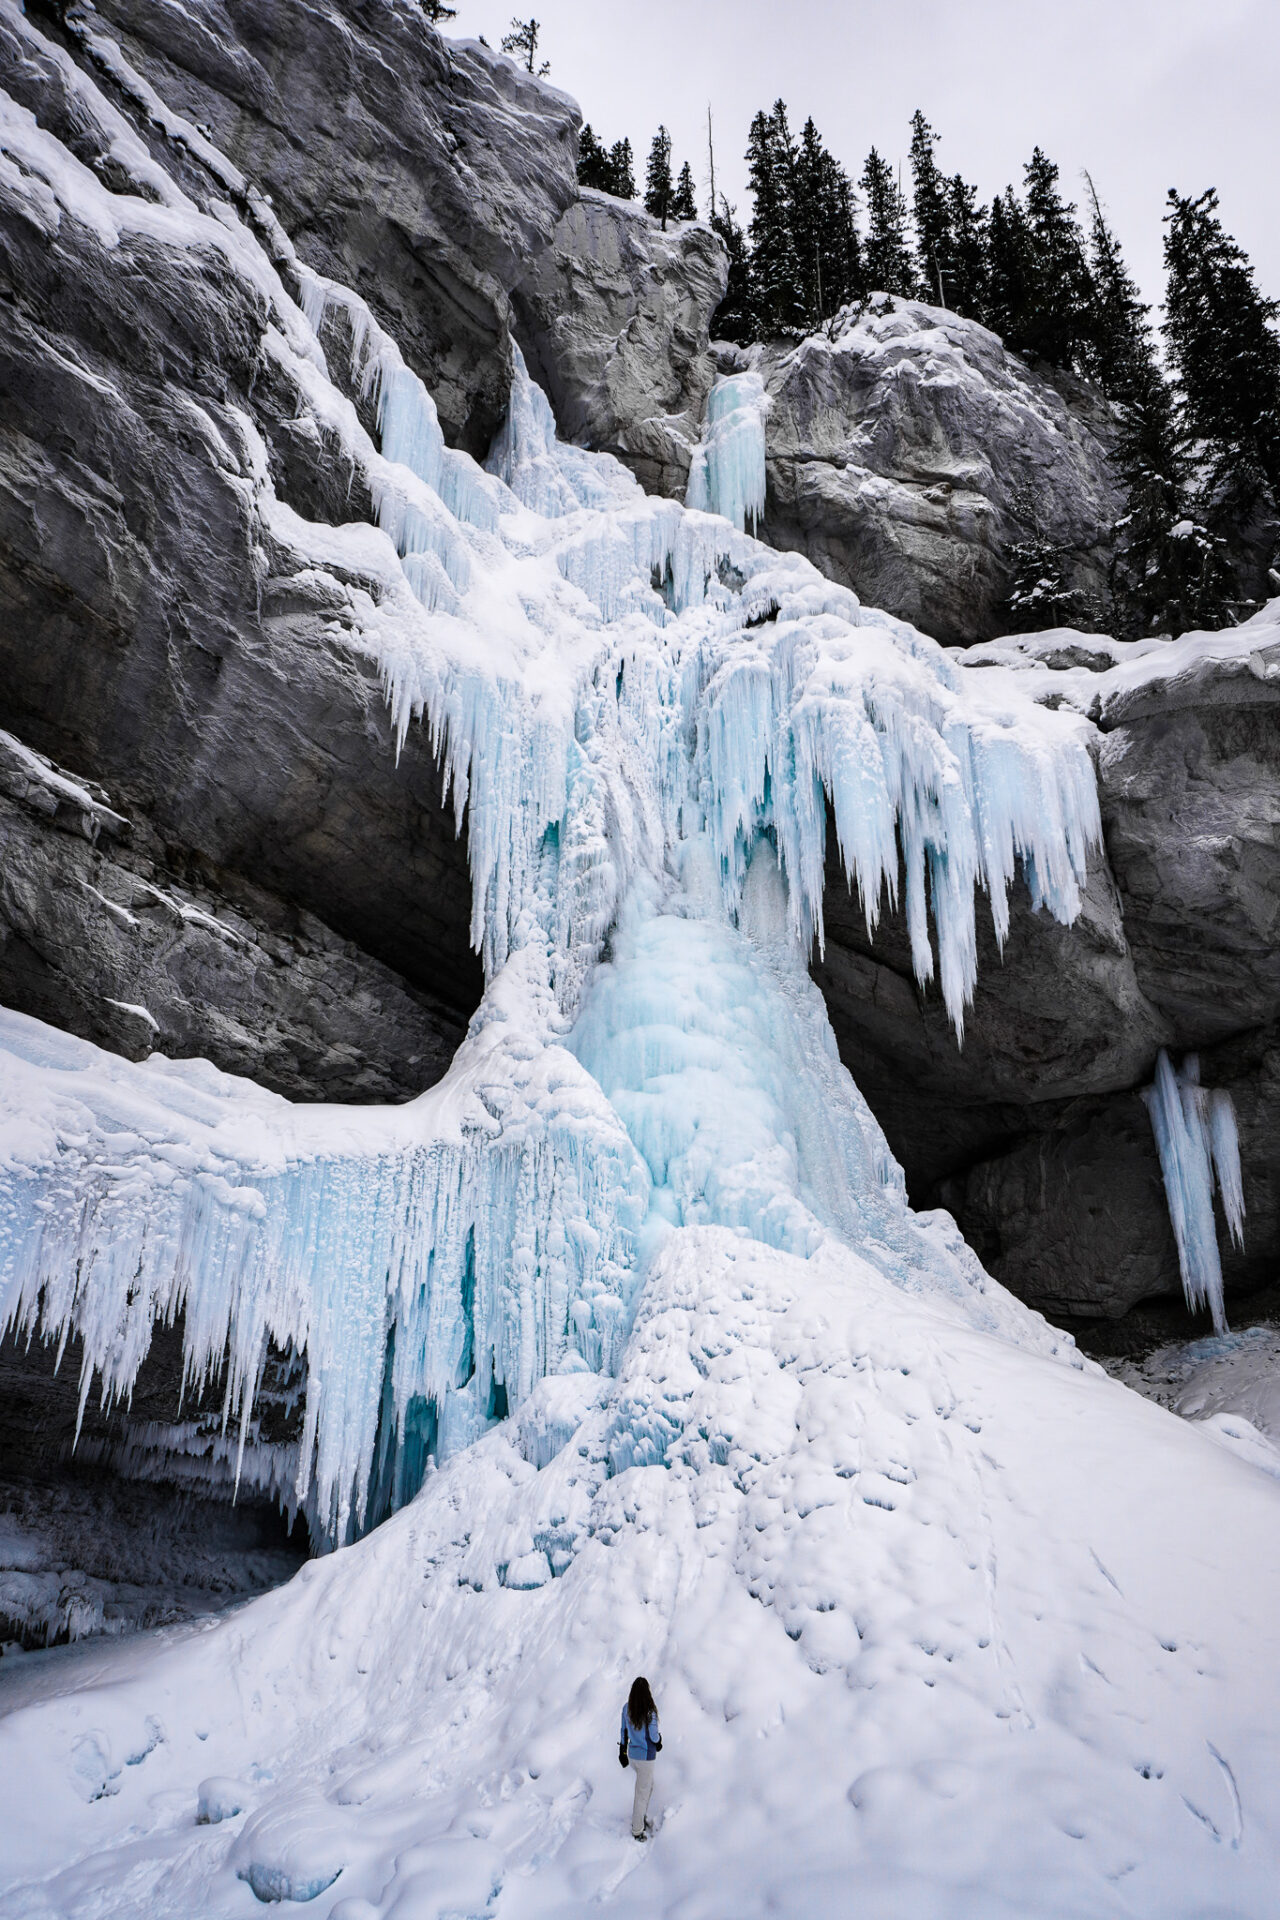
[[937, 1628]]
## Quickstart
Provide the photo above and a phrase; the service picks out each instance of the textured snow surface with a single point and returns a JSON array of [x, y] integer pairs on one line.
[[1109, 679], [927, 1616], [1229, 1382]]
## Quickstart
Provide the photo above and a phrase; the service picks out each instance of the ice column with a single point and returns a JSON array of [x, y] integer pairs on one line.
[[727, 475], [1199, 1145]]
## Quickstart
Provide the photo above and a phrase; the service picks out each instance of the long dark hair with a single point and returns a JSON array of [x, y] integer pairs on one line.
[[640, 1703]]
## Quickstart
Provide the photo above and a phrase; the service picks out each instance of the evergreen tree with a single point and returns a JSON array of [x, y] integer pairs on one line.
[[607, 169], [1225, 349], [595, 169], [684, 206], [1040, 593], [1170, 572], [967, 280], [1168, 569], [931, 205], [777, 299], [1008, 268], [622, 168], [659, 192], [436, 11], [1056, 319], [1117, 350], [523, 41], [824, 229], [886, 254], [733, 318]]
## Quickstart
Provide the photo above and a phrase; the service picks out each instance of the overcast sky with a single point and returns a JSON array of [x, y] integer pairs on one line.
[[1147, 94]]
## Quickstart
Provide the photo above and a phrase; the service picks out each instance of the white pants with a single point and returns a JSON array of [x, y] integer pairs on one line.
[[643, 1770]]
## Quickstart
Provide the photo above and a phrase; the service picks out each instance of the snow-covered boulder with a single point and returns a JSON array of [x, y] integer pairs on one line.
[[909, 452]]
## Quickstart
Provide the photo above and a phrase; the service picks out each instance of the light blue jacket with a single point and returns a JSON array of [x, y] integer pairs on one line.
[[641, 1743]]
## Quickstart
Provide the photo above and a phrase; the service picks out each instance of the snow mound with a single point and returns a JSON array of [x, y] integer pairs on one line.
[[925, 1613]]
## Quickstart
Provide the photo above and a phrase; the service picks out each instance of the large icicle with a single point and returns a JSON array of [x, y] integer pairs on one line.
[[486, 1231], [1199, 1146]]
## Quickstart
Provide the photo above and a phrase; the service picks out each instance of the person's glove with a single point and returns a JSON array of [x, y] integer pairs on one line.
[[622, 1756], [657, 1746]]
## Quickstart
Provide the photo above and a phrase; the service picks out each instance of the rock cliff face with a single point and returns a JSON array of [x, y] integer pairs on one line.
[[156, 640], [615, 318], [424, 173], [1033, 1134], [907, 453], [99, 934]]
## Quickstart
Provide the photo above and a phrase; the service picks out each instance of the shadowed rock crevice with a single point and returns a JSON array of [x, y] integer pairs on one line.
[[88, 1548]]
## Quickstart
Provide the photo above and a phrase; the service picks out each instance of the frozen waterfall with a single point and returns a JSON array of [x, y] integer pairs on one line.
[[649, 722]]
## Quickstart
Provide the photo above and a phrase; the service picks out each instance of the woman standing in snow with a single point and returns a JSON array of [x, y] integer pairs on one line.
[[640, 1743]]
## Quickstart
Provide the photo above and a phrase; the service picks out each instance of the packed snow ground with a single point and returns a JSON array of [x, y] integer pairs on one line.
[[1229, 1382], [937, 1627], [942, 1621]]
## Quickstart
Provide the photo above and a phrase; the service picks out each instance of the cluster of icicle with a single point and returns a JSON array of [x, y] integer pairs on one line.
[[727, 472], [610, 681], [1199, 1148]]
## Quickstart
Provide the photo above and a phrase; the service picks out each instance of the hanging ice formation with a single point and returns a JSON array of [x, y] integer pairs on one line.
[[1199, 1148], [647, 720], [727, 472]]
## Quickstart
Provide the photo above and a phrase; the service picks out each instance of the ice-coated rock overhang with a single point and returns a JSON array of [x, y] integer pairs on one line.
[[649, 722]]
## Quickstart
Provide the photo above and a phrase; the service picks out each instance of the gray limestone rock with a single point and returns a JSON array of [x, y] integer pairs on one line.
[[99, 936], [1072, 1217], [1190, 782], [155, 633], [1057, 1016], [910, 452], [423, 172], [614, 320]]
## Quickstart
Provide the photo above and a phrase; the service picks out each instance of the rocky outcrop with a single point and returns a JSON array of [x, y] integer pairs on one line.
[[99, 935], [160, 638], [908, 453], [1057, 1017], [423, 172], [1189, 774], [1033, 1133], [614, 320]]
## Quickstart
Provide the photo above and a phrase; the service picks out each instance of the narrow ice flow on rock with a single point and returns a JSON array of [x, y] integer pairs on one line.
[[1199, 1147], [649, 724], [727, 472]]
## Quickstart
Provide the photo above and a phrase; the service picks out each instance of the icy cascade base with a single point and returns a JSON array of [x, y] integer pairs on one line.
[[929, 1617], [648, 722]]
